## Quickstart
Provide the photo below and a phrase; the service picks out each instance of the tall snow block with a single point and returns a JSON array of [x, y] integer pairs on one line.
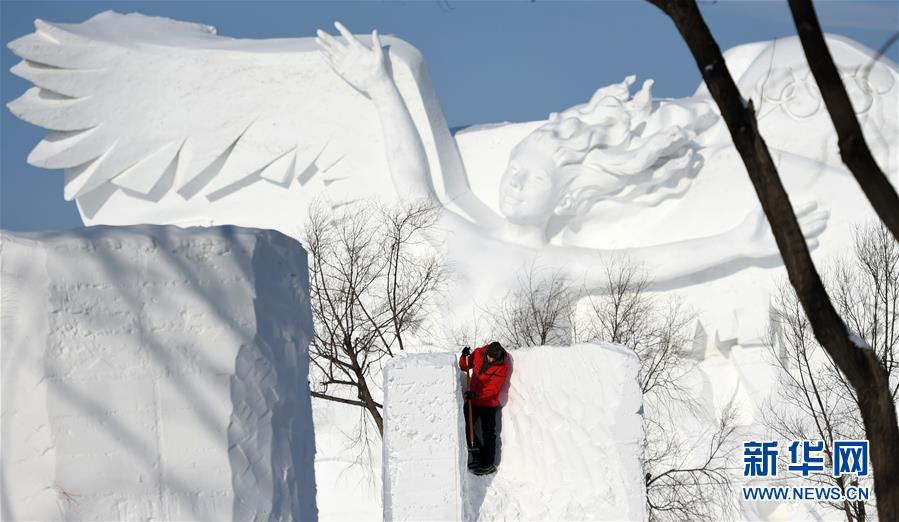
[[570, 439], [155, 373], [423, 441]]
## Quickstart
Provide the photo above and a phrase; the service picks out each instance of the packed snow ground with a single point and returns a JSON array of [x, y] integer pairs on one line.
[[155, 373]]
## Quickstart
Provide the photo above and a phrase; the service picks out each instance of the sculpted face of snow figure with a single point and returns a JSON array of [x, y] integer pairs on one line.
[[616, 149], [529, 189], [592, 154]]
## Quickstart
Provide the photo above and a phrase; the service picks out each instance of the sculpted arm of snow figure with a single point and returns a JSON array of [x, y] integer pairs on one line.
[[367, 70], [751, 240]]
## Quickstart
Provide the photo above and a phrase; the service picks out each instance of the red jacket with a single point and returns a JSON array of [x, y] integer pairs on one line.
[[486, 384]]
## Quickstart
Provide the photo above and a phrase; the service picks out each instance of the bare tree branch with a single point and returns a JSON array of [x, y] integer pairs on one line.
[[853, 147], [336, 399], [538, 311]]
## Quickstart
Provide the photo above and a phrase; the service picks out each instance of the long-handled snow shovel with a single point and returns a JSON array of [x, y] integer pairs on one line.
[[472, 449], [468, 409]]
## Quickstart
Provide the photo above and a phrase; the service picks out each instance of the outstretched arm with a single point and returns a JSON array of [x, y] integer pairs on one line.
[[366, 70], [751, 239]]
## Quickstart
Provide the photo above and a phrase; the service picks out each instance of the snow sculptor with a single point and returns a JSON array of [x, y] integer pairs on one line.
[[487, 370], [609, 157]]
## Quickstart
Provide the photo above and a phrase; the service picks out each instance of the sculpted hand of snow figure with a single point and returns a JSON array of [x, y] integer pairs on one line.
[[616, 147]]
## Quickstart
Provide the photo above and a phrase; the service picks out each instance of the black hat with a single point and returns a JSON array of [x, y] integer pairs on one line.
[[495, 350]]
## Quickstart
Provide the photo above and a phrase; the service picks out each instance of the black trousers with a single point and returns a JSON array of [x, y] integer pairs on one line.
[[484, 444]]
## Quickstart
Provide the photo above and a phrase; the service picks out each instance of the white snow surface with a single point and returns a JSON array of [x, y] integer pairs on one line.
[[155, 373], [424, 445], [570, 438]]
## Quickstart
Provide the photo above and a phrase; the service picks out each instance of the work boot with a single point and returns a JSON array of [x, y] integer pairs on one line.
[[484, 470]]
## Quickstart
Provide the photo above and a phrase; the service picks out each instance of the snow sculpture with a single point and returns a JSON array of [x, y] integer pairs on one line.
[[613, 148], [570, 447], [155, 372], [248, 132]]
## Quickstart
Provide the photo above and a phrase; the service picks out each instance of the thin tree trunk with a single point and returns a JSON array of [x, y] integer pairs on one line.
[[861, 366], [364, 393], [372, 406], [853, 148]]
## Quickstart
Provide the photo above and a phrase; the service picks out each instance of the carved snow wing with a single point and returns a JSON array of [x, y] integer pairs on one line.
[[157, 109]]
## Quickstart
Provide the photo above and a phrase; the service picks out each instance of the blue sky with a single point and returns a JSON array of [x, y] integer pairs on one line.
[[489, 61]]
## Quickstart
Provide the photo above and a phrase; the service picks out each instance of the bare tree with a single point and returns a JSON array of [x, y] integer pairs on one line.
[[865, 289], [538, 311], [862, 367], [371, 277], [811, 401], [680, 485], [686, 475], [621, 314], [814, 400], [626, 314]]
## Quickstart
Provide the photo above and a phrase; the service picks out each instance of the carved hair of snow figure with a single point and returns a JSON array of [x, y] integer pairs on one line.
[[615, 148], [612, 148]]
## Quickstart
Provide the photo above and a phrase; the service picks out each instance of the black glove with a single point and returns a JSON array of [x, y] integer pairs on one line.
[[466, 351], [469, 395]]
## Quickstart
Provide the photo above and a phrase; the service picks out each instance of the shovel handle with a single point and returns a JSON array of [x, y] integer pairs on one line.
[[469, 412]]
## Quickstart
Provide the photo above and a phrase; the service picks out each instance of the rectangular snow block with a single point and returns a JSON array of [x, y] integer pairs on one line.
[[570, 436], [155, 373], [423, 444]]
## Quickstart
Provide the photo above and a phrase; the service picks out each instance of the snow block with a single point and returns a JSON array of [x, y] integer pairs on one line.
[[155, 373], [423, 444], [570, 439]]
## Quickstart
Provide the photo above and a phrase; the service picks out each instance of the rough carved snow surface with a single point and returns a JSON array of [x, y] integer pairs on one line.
[[155, 373], [570, 439], [424, 445]]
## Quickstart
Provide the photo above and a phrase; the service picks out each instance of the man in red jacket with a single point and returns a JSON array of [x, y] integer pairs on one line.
[[489, 371]]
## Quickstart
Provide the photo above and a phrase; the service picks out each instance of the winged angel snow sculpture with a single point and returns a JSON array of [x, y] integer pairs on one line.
[[156, 120]]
